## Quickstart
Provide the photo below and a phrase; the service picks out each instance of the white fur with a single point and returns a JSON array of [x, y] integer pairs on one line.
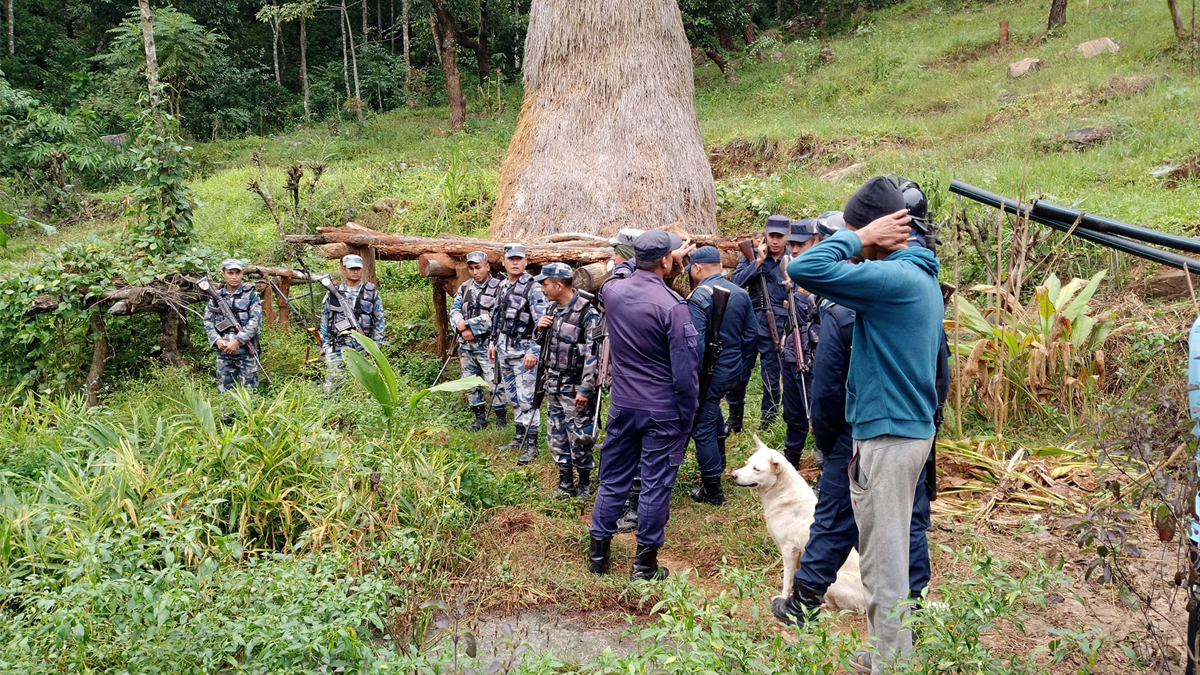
[[788, 506]]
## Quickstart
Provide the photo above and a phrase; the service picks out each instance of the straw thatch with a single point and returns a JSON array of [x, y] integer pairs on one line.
[[607, 137]]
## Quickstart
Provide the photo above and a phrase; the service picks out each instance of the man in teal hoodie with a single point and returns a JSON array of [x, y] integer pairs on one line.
[[890, 391]]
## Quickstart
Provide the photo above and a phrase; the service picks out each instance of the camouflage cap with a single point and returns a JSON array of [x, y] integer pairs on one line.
[[231, 264], [555, 271]]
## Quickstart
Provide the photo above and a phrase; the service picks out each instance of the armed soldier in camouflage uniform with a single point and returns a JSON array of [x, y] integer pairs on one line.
[[570, 361], [471, 316], [351, 297], [235, 363], [521, 304]]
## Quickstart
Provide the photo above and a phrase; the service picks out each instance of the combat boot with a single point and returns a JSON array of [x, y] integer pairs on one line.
[[721, 450], [734, 423], [566, 483], [767, 420], [628, 522], [501, 417], [517, 439], [710, 492], [529, 445], [599, 554], [481, 421], [792, 455], [645, 565], [796, 609], [584, 490]]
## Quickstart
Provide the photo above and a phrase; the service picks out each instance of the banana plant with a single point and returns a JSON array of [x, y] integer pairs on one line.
[[379, 379]]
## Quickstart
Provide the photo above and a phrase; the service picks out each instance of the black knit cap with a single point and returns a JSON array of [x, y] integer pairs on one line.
[[878, 197]]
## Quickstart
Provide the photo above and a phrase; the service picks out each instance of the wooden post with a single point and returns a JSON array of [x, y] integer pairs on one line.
[[441, 316], [267, 309], [1003, 32], [367, 253], [99, 356], [285, 316]]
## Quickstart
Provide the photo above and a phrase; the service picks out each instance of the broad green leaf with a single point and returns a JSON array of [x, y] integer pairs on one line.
[[369, 377], [461, 384], [1081, 331], [5, 217], [1067, 292], [381, 362], [1053, 285], [1045, 310], [972, 318], [1079, 304]]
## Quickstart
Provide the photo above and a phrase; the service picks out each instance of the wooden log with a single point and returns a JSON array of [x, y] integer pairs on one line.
[[441, 316], [367, 253], [402, 247], [99, 356], [589, 277], [438, 265], [169, 340], [281, 272]]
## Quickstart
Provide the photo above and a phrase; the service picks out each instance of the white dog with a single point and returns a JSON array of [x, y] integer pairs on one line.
[[788, 505]]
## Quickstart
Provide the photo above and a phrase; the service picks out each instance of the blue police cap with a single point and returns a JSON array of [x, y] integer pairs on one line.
[[514, 250], [803, 230], [655, 244], [476, 257], [351, 261], [704, 254], [555, 271], [231, 264], [778, 225]]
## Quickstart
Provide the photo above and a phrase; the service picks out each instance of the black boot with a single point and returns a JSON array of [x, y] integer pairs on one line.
[[566, 483], [736, 413], [530, 446], [710, 492], [480, 417], [501, 417], [766, 422], [599, 554], [628, 522], [914, 609], [645, 565], [517, 439], [721, 450], [793, 456], [585, 484], [799, 607]]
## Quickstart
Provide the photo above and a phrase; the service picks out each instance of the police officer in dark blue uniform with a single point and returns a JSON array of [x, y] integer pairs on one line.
[[769, 264], [797, 382], [653, 402], [738, 328], [621, 265]]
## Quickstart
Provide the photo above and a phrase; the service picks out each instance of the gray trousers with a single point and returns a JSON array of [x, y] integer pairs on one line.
[[883, 482]]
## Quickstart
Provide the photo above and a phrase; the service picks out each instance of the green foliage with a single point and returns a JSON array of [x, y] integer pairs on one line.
[[1024, 357], [162, 202]]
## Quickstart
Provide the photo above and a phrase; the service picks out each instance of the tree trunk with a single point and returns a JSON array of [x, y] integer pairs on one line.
[[11, 19], [345, 54], [749, 32], [275, 48], [392, 26], [407, 58], [99, 355], [726, 67], [169, 340], [582, 157], [725, 40], [304, 65], [446, 39], [1181, 32], [366, 28], [358, 102], [481, 50], [379, 20], [147, 21], [1058, 15]]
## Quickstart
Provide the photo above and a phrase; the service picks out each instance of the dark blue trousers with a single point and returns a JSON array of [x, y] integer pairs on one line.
[[772, 364], [709, 425], [795, 412], [834, 531], [655, 443]]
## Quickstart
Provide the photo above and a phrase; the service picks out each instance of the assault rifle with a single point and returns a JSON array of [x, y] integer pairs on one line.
[[347, 310], [603, 370], [539, 386], [713, 346], [802, 365], [230, 323]]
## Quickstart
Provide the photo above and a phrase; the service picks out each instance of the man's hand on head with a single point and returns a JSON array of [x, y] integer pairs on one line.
[[889, 233]]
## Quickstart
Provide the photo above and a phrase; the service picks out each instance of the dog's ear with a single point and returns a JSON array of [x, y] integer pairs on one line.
[[759, 443], [774, 465]]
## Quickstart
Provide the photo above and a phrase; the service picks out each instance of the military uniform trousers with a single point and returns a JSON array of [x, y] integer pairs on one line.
[[834, 531], [334, 374], [236, 368], [709, 425], [653, 442], [795, 411], [472, 357], [772, 366], [518, 383], [570, 433]]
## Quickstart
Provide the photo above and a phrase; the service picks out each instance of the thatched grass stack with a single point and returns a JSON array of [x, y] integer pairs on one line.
[[607, 136]]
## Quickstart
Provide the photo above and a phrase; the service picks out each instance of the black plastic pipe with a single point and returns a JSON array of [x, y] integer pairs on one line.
[[1062, 214], [1110, 240]]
